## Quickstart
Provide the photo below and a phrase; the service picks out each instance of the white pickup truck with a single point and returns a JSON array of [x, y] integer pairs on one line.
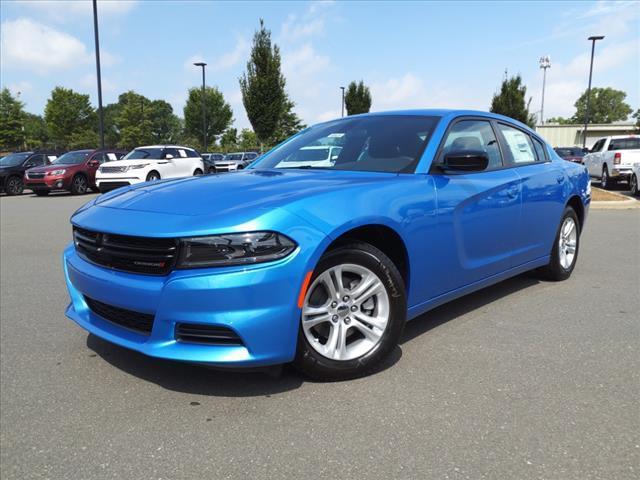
[[612, 159]]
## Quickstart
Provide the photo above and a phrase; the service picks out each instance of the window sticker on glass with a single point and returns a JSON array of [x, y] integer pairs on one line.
[[52, 157], [519, 145], [182, 153], [111, 156]]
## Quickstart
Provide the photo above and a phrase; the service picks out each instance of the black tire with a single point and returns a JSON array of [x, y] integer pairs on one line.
[[197, 172], [14, 186], [41, 193], [605, 180], [633, 185], [152, 176], [211, 170], [79, 185], [317, 366], [554, 270]]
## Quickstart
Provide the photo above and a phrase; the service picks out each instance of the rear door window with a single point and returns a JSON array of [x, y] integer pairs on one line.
[[520, 148], [541, 152]]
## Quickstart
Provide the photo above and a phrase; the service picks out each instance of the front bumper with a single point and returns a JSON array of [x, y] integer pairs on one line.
[[106, 184], [58, 182], [257, 303]]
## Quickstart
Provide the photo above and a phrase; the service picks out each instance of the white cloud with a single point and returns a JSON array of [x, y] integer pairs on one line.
[[89, 82], [68, 11], [30, 45], [232, 58], [310, 23], [303, 64], [20, 88], [329, 115]]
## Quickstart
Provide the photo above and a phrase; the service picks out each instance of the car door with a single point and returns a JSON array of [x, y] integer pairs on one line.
[[477, 212], [171, 169], [594, 159], [93, 163], [542, 186]]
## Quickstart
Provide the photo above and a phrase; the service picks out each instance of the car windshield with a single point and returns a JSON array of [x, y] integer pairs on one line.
[[309, 154], [570, 152], [14, 159], [376, 143], [140, 153], [71, 158], [233, 156]]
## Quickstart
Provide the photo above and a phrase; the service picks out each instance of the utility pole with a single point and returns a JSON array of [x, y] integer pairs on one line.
[[342, 88], [97, 42], [204, 110], [593, 40], [545, 62]]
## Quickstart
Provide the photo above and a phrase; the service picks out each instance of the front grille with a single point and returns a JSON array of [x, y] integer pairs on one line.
[[153, 256], [35, 176], [207, 334], [140, 322], [108, 186], [107, 169]]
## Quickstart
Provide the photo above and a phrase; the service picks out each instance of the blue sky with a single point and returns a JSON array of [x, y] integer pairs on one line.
[[411, 54]]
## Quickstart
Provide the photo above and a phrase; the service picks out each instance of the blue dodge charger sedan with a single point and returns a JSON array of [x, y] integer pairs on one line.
[[321, 262]]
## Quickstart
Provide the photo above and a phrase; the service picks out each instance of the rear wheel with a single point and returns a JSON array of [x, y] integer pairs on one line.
[[605, 179], [565, 248], [14, 186], [197, 172], [79, 185], [41, 193], [153, 176], [353, 314], [633, 185]]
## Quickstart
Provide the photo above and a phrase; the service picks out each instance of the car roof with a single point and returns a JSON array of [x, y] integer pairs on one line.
[[164, 146], [444, 113]]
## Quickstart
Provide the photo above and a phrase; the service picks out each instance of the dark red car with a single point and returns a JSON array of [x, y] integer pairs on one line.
[[74, 171], [571, 154]]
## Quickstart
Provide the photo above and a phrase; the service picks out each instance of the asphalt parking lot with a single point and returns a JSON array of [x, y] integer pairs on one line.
[[526, 379]]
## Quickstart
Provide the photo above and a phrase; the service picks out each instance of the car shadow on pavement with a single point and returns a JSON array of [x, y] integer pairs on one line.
[[466, 304], [202, 380]]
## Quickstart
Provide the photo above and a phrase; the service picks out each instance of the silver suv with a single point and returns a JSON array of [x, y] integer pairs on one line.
[[235, 161]]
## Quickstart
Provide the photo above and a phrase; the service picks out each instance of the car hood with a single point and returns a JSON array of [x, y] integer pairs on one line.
[[50, 168], [204, 204]]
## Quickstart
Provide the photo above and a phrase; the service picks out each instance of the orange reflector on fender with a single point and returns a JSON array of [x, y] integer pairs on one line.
[[303, 290]]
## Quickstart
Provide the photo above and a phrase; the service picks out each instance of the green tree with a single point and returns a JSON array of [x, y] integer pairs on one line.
[[636, 115], [357, 98], [11, 121], [248, 140], [133, 120], [606, 105], [111, 113], [68, 115], [218, 114], [262, 86], [35, 130], [165, 126], [229, 139], [559, 120], [510, 101], [289, 123]]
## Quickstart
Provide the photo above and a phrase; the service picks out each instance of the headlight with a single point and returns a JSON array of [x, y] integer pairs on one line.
[[56, 172], [137, 165], [233, 249]]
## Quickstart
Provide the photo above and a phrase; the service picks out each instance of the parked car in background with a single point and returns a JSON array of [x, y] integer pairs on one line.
[[210, 160], [147, 164], [74, 171], [235, 161], [612, 159], [314, 156], [323, 266], [13, 166], [571, 154], [633, 181]]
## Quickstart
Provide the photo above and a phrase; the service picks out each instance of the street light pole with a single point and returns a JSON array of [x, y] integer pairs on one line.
[[545, 62], [342, 88], [593, 39], [97, 42], [204, 114]]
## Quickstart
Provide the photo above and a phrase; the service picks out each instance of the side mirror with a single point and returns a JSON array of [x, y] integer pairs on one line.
[[168, 156], [466, 161], [93, 163]]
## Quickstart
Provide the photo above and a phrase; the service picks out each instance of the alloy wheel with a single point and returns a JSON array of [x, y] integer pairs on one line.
[[346, 312], [604, 180], [14, 186], [80, 185], [567, 243]]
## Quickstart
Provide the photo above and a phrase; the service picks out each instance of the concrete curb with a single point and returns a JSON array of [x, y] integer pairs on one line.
[[629, 203]]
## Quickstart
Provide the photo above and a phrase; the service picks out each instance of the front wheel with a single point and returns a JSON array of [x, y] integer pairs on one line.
[[565, 248], [14, 186], [353, 314], [79, 185], [633, 185]]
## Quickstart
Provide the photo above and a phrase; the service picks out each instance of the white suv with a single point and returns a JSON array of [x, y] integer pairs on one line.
[[146, 164]]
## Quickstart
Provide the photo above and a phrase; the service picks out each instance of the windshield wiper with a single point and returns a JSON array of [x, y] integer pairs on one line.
[[304, 167]]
